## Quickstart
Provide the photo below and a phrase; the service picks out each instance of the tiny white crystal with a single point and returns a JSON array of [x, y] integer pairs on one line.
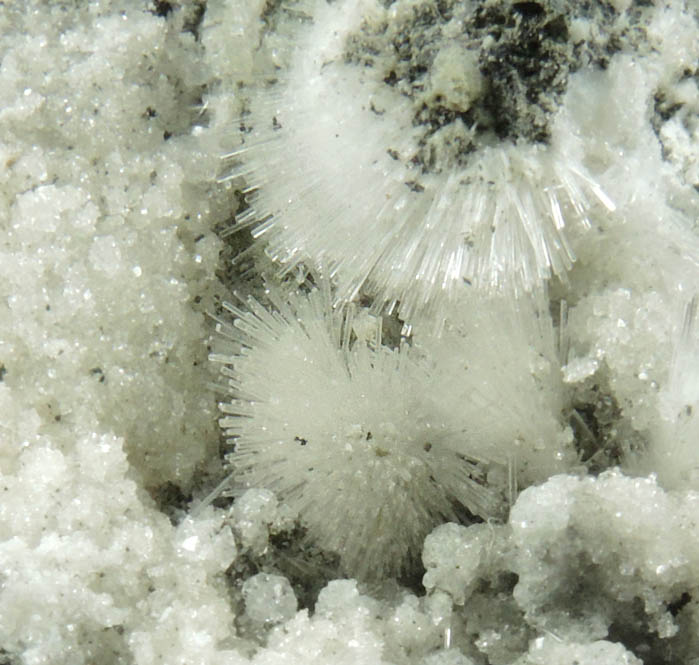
[[269, 598]]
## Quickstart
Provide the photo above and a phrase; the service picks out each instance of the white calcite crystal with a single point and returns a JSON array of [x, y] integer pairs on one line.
[[342, 630], [461, 383], [455, 558], [550, 651], [254, 514], [269, 598]]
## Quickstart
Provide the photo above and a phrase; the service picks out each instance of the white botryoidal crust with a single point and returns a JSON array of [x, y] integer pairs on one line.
[[551, 650], [587, 549], [376, 151], [352, 435], [596, 560]]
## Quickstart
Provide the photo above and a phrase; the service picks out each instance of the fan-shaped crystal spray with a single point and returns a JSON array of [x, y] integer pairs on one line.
[[410, 147]]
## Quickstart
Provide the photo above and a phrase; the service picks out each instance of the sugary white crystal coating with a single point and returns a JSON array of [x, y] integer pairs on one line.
[[588, 554], [106, 250], [90, 567], [342, 630], [106, 241], [586, 547]]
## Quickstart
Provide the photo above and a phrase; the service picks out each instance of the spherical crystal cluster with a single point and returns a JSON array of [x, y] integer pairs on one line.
[[410, 147], [350, 434]]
